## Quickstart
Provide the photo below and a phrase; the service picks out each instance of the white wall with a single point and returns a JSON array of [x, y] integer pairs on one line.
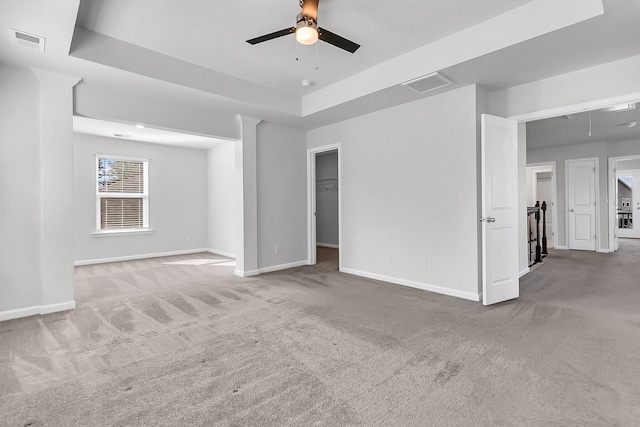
[[394, 162], [108, 101], [626, 165], [282, 195], [36, 183], [177, 199], [20, 188], [221, 196], [327, 201]]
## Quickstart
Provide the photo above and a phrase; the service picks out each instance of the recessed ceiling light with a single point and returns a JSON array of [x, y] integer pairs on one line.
[[621, 107], [140, 126], [628, 125], [306, 83]]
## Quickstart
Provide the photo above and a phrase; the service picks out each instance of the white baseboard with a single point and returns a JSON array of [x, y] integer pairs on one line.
[[142, 256], [36, 309], [282, 267], [21, 312], [603, 251], [222, 253], [247, 273], [61, 306], [562, 248], [418, 285], [523, 272], [328, 245]]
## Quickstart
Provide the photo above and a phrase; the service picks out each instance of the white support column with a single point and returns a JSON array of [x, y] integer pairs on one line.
[[57, 243], [247, 198]]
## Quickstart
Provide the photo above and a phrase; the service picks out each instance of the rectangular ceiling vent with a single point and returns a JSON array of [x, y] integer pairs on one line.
[[428, 83], [27, 40]]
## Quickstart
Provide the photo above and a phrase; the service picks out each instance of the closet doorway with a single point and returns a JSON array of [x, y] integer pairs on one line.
[[324, 207]]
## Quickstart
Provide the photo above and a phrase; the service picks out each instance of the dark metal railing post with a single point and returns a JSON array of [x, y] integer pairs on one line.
[[530, 229], [544, 228]]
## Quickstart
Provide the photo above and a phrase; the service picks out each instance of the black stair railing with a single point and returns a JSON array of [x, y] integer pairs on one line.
[[535, 241]]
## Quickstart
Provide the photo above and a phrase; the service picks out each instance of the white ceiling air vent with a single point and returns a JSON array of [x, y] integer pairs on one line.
[[428, 83], [27, 40]]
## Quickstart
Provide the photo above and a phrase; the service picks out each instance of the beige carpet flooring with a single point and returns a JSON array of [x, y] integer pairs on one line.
[[181, 341]]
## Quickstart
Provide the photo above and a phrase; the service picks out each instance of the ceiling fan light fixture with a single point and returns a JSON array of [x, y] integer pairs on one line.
[[306, 31]]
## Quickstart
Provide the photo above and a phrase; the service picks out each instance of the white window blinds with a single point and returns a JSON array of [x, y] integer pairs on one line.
[[120, 176], [121, 213], [122, 199]]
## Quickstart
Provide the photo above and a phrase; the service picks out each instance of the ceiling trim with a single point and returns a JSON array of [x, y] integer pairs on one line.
[[577, 108], [101, 49]]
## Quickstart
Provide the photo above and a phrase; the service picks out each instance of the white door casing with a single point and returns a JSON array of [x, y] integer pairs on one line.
[[582, 203], [544, 190], [499, 146], [311, 202], [633, 232], [613, 190], [552, 202]]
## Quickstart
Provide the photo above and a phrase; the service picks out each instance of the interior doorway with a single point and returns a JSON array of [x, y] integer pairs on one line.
[[624, 205], [324, 202], [541, 187], [628, 182]]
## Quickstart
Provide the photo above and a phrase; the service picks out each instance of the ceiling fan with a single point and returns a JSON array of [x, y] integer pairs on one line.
[[307, 31]]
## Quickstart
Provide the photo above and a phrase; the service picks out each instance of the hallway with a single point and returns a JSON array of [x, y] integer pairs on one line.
[[596, 284]]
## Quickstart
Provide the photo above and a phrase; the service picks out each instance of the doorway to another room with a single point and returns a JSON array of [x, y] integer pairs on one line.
[[625, 205], [541, 202], [324, 207]]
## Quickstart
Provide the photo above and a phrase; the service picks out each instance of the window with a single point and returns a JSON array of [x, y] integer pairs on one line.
[[122, 196]]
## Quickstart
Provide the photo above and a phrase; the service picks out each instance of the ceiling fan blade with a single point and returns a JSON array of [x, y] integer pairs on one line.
[[272, 36], [337, 41]]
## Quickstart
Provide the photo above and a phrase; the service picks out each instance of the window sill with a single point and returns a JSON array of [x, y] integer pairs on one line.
[[127, 232]]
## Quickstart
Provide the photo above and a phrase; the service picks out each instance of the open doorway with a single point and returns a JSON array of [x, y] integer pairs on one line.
[[591, 131], [624, 206], [541, 188], [324, 207]]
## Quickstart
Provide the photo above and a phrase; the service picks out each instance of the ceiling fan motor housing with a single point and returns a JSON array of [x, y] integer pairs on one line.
[[310, 9], [305, 21]]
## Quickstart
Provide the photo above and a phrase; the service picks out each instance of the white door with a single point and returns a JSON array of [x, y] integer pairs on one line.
[[628, 209], [582, 204], [500, 281]]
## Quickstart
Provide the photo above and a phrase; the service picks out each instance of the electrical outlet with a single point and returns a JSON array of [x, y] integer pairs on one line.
[[423, 262], [389, 257], [277, 249], [187, 238]]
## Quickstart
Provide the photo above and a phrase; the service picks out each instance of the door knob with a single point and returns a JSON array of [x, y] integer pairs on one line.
[[488, 219], [571, 210]]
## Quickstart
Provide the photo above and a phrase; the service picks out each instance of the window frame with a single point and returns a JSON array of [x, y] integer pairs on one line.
[[144, 196]]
